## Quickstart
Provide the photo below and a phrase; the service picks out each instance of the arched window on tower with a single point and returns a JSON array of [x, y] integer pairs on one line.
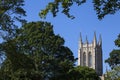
[[84, 59], [89, 59]]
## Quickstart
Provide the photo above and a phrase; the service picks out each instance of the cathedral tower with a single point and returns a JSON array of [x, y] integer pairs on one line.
[[90, 54]]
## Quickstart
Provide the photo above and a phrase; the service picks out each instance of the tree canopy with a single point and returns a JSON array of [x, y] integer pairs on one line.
[[36, 52], [114, 59], [83, 73], [102, 7], [117, 41], [11, 11], [113, 74], [114, 62]]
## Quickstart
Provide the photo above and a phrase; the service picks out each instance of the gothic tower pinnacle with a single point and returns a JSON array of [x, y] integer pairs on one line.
[[86, 40], [80, 41], [100, 41], [94, 40]]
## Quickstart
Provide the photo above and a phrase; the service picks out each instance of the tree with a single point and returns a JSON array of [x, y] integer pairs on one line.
[[102, 7], [114, 59], [83, 73], [36, 51], [117, 41], [113, 74], [11, 11], [114, 62]]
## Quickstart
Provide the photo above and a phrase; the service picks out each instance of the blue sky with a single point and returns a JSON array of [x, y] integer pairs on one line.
[[85, 22]]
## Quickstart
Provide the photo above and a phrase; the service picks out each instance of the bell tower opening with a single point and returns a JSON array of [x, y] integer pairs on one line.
[[90, 60]]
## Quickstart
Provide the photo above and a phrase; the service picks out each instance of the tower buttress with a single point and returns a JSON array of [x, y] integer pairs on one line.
[[87, 44], [80, 50]]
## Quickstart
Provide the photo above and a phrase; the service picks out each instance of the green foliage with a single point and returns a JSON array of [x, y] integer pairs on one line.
[[36, 53], [53, 7], [114, 59], [117, 41], [114, 62], [83, 73], [105, 7], [113, 74], [102, 7], [11, 11]]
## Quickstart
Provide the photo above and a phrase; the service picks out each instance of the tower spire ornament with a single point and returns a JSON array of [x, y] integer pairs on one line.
[[80, 37], [80, 41], [86, 40], [94, 39], [100, 40]]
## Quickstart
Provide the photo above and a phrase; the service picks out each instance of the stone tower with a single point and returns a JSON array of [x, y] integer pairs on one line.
[[90, 54]]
